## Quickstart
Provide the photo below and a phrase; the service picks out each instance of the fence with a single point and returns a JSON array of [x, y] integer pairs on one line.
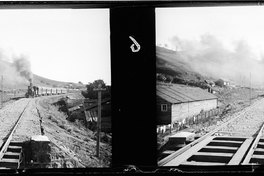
[[202, 117]]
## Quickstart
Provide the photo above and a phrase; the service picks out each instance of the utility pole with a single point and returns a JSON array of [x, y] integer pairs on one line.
[[2, 93], [99, 89], [250, 89]]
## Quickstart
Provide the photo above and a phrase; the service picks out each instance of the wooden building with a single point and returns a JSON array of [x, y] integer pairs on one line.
[[91, 107], [176, 102]]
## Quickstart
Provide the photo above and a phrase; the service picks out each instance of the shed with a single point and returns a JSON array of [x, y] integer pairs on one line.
[[176, 102]]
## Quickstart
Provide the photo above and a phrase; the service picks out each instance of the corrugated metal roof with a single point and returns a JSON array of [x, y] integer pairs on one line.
[[178, 93]]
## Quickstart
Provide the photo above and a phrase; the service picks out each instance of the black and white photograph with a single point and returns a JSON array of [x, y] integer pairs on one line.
[[210, 85], [55, 88]]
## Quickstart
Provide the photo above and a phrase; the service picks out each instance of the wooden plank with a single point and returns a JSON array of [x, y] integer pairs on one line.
[[213, 154], [87, 118], [238, 156], [188, 153], [193, 163], [258, 156], [227, 141], [229, 132], [168, 152], [259, 150], [261, 143], [253, 147], [221, 147]]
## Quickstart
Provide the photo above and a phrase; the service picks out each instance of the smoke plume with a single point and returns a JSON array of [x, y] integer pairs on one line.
[[23, 67], [16, 73], [210, 57]]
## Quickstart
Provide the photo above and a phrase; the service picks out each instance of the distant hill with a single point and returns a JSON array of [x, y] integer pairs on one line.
[[171, 65], [41, 81], [16, 75]]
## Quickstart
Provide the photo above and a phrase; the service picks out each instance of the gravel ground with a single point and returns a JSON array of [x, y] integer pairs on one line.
[[29, 124], [9, 115], [248, 123]]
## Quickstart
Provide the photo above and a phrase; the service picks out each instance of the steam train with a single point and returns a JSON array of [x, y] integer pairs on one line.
[[35, 91]]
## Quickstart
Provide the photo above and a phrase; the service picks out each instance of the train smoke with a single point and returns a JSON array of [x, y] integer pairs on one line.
[[210, 57], [23, 67], [15, 71]]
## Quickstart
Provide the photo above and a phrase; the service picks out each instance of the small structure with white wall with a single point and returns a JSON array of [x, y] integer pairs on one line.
[[176, 102]]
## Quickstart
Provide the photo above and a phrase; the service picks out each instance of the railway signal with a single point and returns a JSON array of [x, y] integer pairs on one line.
[[99, 89]]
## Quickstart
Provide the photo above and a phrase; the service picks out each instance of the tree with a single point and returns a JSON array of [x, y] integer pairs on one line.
[[219, 83], [90, 93]]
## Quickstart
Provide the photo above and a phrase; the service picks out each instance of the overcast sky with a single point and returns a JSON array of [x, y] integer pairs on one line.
[[61, 44], [228, 24]]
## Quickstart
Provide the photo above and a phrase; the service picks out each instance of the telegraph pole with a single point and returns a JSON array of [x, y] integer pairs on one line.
[[99, 89], [250, 89]]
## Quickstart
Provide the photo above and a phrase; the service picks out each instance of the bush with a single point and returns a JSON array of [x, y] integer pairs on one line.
[[219, 83]]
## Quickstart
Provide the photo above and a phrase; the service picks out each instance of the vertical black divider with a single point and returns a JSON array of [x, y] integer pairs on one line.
[[133, 86]]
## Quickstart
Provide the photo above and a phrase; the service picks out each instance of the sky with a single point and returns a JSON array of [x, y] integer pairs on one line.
[[228, 24], [68, 45], [221, 42]]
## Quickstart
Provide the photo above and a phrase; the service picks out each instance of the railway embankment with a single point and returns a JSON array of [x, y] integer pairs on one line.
[[71, 142]]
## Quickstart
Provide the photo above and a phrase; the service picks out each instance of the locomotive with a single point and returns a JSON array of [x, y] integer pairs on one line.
[[35, 91]]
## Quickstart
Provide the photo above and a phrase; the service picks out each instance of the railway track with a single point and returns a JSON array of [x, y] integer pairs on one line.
[[235, 142], [11, 151]]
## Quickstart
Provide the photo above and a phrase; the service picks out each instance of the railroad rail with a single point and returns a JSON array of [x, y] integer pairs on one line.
[[11, 151], [211, 149]]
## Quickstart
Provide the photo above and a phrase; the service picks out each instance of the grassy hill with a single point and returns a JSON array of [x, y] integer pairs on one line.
[[38, 81], [17, 73], [172, 66], [41, 81]]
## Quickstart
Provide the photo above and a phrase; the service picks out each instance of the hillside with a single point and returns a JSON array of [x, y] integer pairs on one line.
[[17, 73], [172, 65], [41, 81]]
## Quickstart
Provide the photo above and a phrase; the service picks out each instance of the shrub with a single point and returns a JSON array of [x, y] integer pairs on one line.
[[219, 83]]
